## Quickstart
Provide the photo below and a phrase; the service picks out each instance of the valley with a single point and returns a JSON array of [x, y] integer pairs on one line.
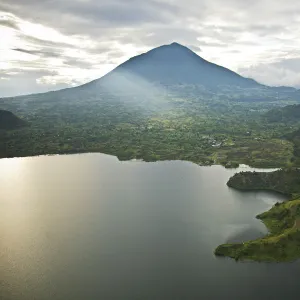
[[173, 126], [153, 108], [167, 104]]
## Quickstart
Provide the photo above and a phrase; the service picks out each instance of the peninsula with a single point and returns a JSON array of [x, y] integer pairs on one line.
[[282, 244]]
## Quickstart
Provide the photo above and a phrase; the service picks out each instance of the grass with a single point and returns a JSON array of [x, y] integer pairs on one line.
[[282, 244]]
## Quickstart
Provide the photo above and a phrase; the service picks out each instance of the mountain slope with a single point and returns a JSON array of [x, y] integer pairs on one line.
[[287, 114], [169, 70], [9, 121], [166, 104], [173, 64]]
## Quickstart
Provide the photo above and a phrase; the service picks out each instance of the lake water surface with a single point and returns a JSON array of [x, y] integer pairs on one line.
[[90, 227]]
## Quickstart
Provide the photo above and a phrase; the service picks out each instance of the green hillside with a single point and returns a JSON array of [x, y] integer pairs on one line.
[[282, 220], [9, 121]]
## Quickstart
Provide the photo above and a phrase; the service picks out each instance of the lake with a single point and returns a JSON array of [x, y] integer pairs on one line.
[[91, 227]]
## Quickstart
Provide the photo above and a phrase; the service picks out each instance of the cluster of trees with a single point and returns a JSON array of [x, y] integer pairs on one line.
[[285, 181]]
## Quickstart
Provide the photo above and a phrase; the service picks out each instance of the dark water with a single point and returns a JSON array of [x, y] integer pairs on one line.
[[91, 227]]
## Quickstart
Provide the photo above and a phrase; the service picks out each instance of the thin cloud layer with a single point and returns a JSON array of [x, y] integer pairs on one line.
[[47, 45]]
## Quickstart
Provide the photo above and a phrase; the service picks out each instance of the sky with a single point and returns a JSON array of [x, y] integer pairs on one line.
[[52, 44]]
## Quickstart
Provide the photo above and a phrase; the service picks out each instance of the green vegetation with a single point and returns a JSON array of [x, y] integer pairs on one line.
[[185, 122], [165, 104], [283, 181], [282, 220], [9, 121], [287, 115], [294, 138], [283, 242]]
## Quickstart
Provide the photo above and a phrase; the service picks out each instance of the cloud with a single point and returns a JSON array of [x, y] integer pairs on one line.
[[9, 23], [280, 73], [80, 40], [26, 83], [37, 52], [194, 48]]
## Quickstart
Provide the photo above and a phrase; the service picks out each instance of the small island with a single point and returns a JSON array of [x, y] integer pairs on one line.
[[282, 244]]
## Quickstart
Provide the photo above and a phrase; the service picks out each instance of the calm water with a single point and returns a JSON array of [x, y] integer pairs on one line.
[[91, 227]]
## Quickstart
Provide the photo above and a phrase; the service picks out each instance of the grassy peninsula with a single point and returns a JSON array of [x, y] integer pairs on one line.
[[282, 244]]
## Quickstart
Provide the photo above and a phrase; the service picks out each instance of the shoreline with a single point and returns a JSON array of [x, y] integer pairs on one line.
[[134, 159], [282, 243], [224, 249]]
